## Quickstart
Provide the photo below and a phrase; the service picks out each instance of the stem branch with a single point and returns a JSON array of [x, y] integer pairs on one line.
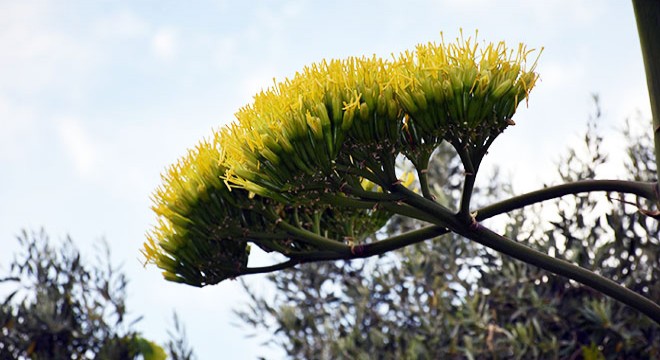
[[644, 189], [647, 13], [518, 251]]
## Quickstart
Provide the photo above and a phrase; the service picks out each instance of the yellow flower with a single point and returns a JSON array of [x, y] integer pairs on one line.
[[191, 206], [282, 156], [463, 90]]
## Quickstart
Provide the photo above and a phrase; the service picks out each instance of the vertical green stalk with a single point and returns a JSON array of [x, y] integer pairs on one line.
[[422, 167], [470, 178], [647, 13]]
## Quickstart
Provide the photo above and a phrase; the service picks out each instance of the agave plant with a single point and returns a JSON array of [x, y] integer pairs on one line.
[[308, 169]]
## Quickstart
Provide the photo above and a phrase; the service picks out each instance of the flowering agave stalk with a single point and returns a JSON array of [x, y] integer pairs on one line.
[[308, 169]]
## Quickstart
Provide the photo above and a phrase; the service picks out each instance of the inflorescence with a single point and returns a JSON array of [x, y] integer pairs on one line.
[[312, 156]]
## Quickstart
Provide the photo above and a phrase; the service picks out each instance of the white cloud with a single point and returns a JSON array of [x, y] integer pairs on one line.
[[164, 43], [78, 144]]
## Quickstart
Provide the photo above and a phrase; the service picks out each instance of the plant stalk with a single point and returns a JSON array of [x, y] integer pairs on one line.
[[476, 232], [646, 190], [647, 14], [608, 287]]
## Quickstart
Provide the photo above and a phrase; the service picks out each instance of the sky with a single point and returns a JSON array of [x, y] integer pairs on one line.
[[97, 98]]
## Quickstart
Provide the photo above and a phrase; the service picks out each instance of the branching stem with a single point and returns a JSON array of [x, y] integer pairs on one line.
[[270, 268], [518, 251], [470, 178], [476, 232], [646, 190]]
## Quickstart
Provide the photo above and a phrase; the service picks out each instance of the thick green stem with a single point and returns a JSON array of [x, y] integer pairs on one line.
[[388, 160], [345, 201], [424, 183], [399, 241], [647, 13], [363, 251], [310, 237], [270, 268], [370, 195], [424, 209], [470, 179], [422, 166], [376, 248], [608, 287], [648, 190], [437, 212], [408, 211], [480, 234]]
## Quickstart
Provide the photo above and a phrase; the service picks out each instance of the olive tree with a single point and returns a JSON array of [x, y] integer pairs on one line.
[[60, 307]]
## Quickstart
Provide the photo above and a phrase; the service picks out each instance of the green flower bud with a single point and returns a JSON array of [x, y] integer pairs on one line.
[[364, 111], [347, 121], [268, 154], [314, 124], [502, 88], [407, 102]]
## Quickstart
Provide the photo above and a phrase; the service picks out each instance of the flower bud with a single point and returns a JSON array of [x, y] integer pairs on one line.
[[364, 111], [502, 88], [347, 120]]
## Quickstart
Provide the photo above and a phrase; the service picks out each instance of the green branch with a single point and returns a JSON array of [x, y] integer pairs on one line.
[[648, 190], [647, 13], [421, 207], [376, 248], [422, 174], [470, 178], [271, 268], [421, 164], [369, 195], [518, 251], [476, 232], [309, 237], [402, 240], [408, 211], [438, 213]]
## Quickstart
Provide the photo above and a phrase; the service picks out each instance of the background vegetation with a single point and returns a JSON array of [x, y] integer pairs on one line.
[[452, 298], [61, 306]]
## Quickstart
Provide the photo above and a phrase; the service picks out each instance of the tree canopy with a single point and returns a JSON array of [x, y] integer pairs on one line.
[[61, 307]]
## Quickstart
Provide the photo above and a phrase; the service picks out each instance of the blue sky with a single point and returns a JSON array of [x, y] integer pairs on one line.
[[98, 97]]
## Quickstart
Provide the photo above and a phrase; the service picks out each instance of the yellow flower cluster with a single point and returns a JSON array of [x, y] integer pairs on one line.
[[294, 132], [286, 154], [297, 128], [456, 91], [198, 221]]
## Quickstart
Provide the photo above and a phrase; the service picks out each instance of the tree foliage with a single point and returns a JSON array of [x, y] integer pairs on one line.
[[452, 298], [60, 307]]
